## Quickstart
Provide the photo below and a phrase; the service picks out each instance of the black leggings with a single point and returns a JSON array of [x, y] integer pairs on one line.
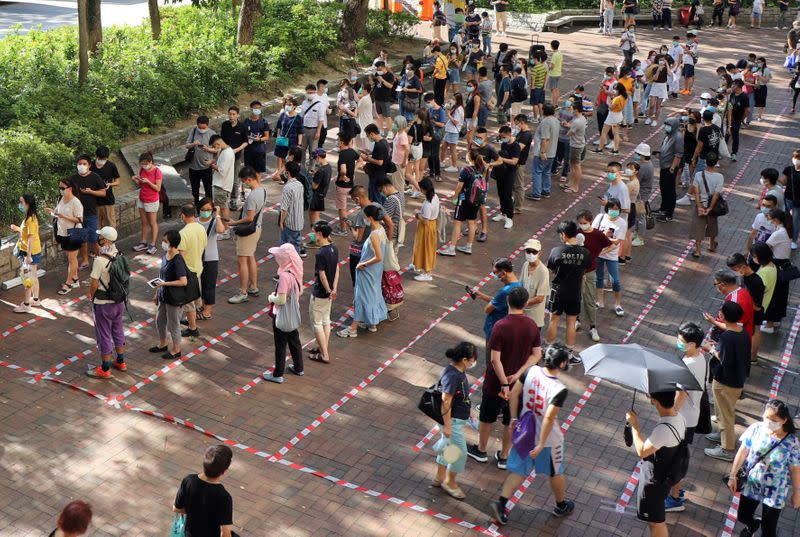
[[794, 98], [434, 164], [438, 90], [666, 183], [769, 516], [282, 339], [201, 176], [717, 15]]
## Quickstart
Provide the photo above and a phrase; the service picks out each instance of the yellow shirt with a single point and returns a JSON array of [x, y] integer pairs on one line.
[[440, 68], [29, 230], [193, 244], [618, 103], [556, 61]]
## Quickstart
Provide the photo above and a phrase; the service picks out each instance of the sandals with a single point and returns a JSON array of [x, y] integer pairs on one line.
[[456, 493], [316, 357], [65, 288], [202, 316]]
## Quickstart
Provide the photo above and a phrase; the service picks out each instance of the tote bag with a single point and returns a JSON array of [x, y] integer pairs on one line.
[[287, 317]]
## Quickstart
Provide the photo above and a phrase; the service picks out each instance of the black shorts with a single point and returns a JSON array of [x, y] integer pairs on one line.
[[688, 71], [317, 203], [67, 245], [465, 211], [559, 304], [758, 318], [651, 505], [689, 435], [632, 216], [491, 407]]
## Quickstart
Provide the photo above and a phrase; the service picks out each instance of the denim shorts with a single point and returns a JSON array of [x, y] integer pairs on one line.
[[90, 223], [36, 259], [451, 137], [549, 462]]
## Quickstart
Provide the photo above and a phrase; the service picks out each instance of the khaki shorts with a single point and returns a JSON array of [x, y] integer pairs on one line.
[[342, 195], [106, 216], [221, 197], [246, 246], [319, 310], [577, 154], [194, 305], [151, 207]]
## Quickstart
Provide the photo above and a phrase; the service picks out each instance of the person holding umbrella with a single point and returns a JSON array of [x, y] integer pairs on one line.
[[541, 392], [657, 452]]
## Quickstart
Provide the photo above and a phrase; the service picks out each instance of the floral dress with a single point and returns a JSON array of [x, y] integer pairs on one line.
[[769, 481]]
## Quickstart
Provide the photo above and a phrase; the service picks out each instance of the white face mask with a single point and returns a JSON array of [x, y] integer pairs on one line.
[[82, 169], [164, 245], [100, 162], [628, 173], [531, 257], [472, 364], [585, 227], [202, 131], [772, 425], [763, 183], [796, 161]]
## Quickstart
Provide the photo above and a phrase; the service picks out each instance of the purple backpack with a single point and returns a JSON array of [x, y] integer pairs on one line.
[[525, 435]]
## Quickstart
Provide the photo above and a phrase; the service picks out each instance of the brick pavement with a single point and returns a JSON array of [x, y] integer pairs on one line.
[[368, 442]]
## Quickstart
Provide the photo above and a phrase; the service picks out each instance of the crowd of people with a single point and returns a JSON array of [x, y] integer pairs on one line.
[[412, 130]]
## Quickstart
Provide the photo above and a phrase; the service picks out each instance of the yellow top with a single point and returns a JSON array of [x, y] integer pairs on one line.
[[618, 103], [440, 68], [193, 244], [29, 230]]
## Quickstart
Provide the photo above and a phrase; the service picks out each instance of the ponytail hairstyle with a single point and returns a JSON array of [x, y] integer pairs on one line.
[[463, 351], [477, 159], [782, 410], [426, 185]]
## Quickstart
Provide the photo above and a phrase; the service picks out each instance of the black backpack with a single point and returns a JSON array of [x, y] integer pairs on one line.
[[119, 280], [675, 468], [518, 93]]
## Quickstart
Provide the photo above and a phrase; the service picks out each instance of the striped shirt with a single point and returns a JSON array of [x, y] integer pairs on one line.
[[538, 75], [292, 203], [393, 207]]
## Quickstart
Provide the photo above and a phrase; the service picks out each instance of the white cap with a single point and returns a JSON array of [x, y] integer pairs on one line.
[[705, 95], [533, 244], [643, 149], [108, 233]]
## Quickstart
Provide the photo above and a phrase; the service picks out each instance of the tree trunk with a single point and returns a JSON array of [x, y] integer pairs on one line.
[[354, 23], [155, 19], [94, 24], [247, 18], [83, 42], [234, 6]]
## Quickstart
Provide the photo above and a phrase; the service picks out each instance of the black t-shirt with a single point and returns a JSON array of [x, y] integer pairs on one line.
[[739, 103], [488, 153], [325, 261], [322, 177], [755, 286], [792, 189], [710, 136], [234, 136], [208, 506], [348, 157], [508, 150], [734, 356], [93, 182], [568, 263], [381, 92], [109, 174], [473, 31], [379, 152], [524, 140]]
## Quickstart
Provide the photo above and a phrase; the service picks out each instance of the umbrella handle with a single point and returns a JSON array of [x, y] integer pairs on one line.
[[633, 402]]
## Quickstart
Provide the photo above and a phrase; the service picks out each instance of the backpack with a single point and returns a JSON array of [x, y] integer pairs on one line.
[[477, 192], [307, 190], [119, 280], [676, 468], [518, 93]]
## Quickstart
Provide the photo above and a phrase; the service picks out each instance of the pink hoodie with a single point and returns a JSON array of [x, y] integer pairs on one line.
[[290, 268]]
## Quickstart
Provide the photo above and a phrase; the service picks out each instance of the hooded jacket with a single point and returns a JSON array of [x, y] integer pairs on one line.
[[672, 144]]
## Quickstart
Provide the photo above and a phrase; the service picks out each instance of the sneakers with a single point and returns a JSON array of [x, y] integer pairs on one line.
[[447, 250], [271, 378], [532, 197], [499, 512], [509, 224], [141, 247], [482, 236], [303, 252], [619, 311], [719, 453], [152, 250], [637, 242], [574, 359], [423, 277], [23, 308], [648, 121], [500, 461], [190, 333], [673, 505], [499, 217], [120, 366], [714, 437], [450, 169], [372, 328], [346, 332], [794, 245], [569, 507], [685, 200], [733, 157], [475, 453], [664, 218], [763, 328], [465, 249], [295, 371], [594, 335], [610, 145], [238, 298], [98, 373], [253, 291]]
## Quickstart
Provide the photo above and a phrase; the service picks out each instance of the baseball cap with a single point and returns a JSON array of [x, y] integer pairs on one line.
[[319, 152], [705, 95], [533, 244], [643, 149], [108, 233]]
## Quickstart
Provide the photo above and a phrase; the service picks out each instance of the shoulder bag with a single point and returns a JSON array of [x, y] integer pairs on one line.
[[430, 403], [179, 296], [742, 473], [704, 419], [283, 139], [287, 316], [190, 152], [721, 207], [248, 228]]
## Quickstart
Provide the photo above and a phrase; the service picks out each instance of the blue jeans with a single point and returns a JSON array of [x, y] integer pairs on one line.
[[701, 166], [646, 96], [795, 219], [540, 176], [292, 237], [90, 223], [487, 43], [751, 97], [627, 112], [613, 271]]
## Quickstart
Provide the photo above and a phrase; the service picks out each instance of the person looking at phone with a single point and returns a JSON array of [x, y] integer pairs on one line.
[[198, 143]]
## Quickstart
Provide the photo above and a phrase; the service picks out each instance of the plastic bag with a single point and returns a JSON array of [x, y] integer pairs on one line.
[[178, 526]]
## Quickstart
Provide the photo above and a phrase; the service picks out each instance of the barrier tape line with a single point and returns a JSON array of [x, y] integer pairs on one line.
[[633, 480]]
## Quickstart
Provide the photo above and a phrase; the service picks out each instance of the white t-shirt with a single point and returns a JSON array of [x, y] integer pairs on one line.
[[763, 228], [618, 229], [628, 40], [677, 53], [778, 193], [780, 243], [715, 182], [621, 192], [758, 6], [430, 209], [73, 209], [457, 116], [223, 175], [691, 407], [539, 392], [663, 436], [688, 59]]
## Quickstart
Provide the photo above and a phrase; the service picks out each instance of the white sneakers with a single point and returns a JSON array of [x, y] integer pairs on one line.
[[509, 224], [451, 169], [648, 121], [448, 250], [593, 333], [685, 200], [423, 277], [498, 217]]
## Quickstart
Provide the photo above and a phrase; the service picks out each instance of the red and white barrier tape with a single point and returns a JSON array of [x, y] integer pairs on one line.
[[630, 488]]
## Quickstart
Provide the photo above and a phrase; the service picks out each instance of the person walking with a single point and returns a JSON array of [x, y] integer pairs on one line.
[[323, 291], [540, 391], [29, 252], [424, 257], [170, 295], [456, 407], [109, 296], [203, 499]]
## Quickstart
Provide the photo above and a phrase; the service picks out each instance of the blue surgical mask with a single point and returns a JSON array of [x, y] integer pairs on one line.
[[712, 108], [288, 108], [681, 346], [469, 89], [764, 210], [703, 102], [478, 141], [21, 207], [256, 111], [637, 157], [613, 213], [353, 78], [206, 214], [668, 129], [611, 176]]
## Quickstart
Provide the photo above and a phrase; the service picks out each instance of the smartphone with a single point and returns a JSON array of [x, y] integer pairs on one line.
[[469, 290], [154, 282]]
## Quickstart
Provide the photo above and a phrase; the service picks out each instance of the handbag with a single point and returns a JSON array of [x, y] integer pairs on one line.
[[287, 316], [190, 152], [416, 151], [649, 218], [721, 207], [78, 235], [741, 473], [178, 526], [283, 140], [704, 419], [182, 295], [248, 228], [430, 403], [788, 272]]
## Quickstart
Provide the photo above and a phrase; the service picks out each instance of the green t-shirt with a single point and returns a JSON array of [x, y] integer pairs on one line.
[[768, 275], [555, 63]]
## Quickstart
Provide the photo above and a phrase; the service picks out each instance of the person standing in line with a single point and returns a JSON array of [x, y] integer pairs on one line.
[[235, 134], [523, 138], [554, 71], [258, 132], [285, 303], [91, 187], [576, 147], [377, 161], [501, 16], [669, 158], [29, 251], [790, 179], [541, 392], [439, 74], [545, 145], [535, 278], [211, 221], [770, 452], [327, 109], [173, 274], [568, 262], [194, 240], [737, 112], [383, 81], [438, 119], [107, 170], [642, 156], [291, 218], [359, 226], [707, 190], [108, 312], [595, 241], [666, 14], [780, 245], [68, 214], [288, 133], [223, 168], [319, 188], [74, 520], [505, 175], [203, 499], [729, 377], [345, 181], [149, 182], [424, 257], [252, 210], [514, 346], [614, 226], [312, 112], [323, 292], [198, 142], [469, 195]]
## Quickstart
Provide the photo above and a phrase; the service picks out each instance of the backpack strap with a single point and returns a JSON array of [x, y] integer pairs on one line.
[[674, 431]]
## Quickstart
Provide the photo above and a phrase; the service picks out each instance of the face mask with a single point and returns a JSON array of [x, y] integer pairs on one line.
[[394, 128], [100, 162], [256, 111], [469, 89], [680, 345], [772, 425], [452, 51], [353, 78], [206, 214], [628, 173], [478, 141], [202, 131], [613, 213], [409, 73], [82, 168], [325, 91], [288, 108], [637, 157], [164, 245], [309, 96], [515, 131], [674, 43], [148, 167], [684, 118], [668, 129], [62, 190], [21, 208], [585, 227], [703, 102], [796, 162], [762, 181], [712, 108], [764, 210], [472, 364], [611, 176], [631, 31], [531, 257]]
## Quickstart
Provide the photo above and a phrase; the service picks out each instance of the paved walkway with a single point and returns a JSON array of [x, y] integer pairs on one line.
[[342, 451]]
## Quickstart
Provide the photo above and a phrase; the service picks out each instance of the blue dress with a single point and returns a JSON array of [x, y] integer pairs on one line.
[[290, 127], [370, 309]]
